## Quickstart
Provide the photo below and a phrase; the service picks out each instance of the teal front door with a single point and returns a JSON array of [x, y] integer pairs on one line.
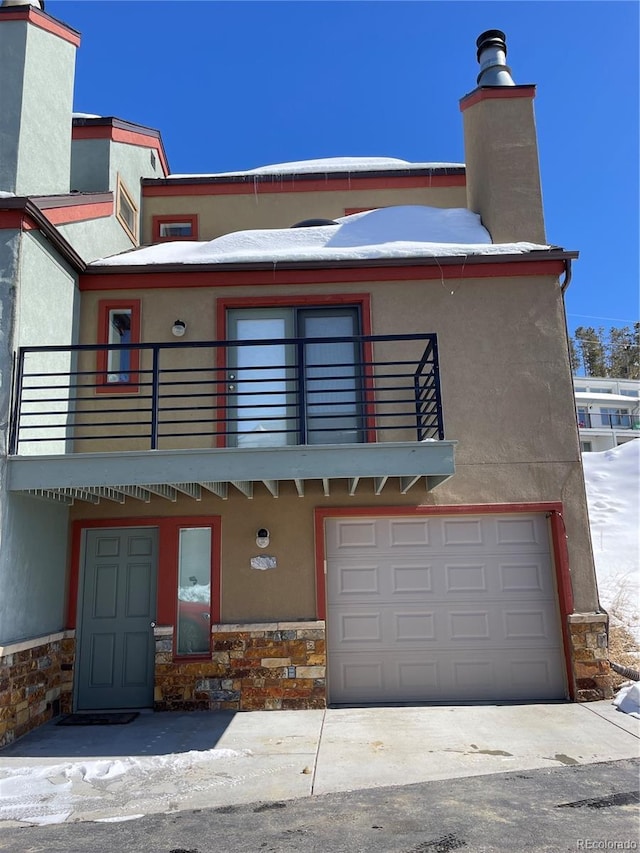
[[117, 615]]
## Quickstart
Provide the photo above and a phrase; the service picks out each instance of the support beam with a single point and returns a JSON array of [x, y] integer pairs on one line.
[[407, 482], [163, 491], [191, 489], [326, 486], [47, 495], [136, 492], [244, 486], [108, 493], [272, 486], [219, 489], [353, 485], [379, 483], [299, 484]]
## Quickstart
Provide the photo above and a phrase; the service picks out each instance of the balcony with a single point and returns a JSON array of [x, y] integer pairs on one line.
[[108, 421]]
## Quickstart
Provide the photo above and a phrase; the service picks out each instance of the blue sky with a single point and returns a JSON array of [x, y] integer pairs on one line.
[[235, 85]]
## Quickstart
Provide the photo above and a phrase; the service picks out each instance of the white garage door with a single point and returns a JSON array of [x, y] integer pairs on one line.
[[442, 608]]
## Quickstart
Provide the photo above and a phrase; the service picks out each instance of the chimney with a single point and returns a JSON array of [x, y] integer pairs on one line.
[[501, 149], [37, 66]]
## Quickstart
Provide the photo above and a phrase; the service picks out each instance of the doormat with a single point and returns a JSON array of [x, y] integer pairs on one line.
[[102, 719]]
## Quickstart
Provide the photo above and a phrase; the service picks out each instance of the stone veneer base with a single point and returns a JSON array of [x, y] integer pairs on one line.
[[263, 666], [36, 683], [592, 674]]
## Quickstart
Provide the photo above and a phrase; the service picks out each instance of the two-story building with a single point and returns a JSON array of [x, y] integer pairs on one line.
[[313, 442]]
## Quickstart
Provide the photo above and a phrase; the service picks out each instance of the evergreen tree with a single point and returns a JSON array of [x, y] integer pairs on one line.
[[591, 347]]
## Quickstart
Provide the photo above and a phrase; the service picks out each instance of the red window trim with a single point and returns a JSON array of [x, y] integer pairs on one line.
[[360, 300], [557, 539], [157, 221], [168, 544], [104, 307]]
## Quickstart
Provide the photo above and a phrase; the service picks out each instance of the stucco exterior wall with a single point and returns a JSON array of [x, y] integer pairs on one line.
[[507, 400], [37, 72], [263, 209], [96, 238], [90, 165], [503, 173]]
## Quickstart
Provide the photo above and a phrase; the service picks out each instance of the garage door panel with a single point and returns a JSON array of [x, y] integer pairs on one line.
[[446, 608]]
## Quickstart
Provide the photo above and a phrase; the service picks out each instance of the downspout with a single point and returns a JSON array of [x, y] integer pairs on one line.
[[567, 276]]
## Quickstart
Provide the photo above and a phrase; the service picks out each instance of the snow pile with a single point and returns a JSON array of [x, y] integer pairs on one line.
[[84, 115], [328, 165], [628, 699], [6, 194], [409, 231], [612, 481], [46, 794]]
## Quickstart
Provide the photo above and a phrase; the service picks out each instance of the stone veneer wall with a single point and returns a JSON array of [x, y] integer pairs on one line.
[[590, 656], [36, 683], [264, 666]]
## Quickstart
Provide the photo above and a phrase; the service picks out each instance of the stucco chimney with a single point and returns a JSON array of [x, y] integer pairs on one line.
[[501, 148], [37, 67]]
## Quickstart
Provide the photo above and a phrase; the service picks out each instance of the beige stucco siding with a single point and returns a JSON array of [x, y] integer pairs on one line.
[[507, 401], [263, 209]]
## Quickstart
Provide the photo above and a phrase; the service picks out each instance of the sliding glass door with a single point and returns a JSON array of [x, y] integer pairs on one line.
[[285, 389]]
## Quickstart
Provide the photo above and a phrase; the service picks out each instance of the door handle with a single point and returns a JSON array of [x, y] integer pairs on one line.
[[152, 624]]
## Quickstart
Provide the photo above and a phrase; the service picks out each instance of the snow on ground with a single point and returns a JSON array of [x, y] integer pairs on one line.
[[407, 231], [41, 794], [328, 165], [612, 480]]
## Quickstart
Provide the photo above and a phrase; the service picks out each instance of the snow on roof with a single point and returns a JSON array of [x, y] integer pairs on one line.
[[410, 231], [327, 165], [6, 194], [84, 115]]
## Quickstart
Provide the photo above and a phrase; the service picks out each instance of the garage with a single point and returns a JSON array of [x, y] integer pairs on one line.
[[442, 608]]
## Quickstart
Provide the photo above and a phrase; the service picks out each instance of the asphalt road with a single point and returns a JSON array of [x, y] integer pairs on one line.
[[582, 807]]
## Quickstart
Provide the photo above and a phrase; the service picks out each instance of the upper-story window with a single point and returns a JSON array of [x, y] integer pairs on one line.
[[127, 211], [179, 227], [119, 324]]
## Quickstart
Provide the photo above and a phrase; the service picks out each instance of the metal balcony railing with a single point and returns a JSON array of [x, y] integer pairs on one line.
[[608, 420], [257, 393]]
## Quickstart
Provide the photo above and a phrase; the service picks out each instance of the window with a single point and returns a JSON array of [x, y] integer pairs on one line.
[[283, 391], [615, 417], [584, 419], [178, 227], [119, 324], [126, 211], [194, 591], [585, 446]]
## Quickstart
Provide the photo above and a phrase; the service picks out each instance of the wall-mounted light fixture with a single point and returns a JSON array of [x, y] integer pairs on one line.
[[179, 328], [262, 537]]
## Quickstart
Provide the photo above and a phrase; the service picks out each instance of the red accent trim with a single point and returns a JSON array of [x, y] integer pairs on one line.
[[491, 93], [361, 300], [185, 277], [246, 186], [558, 545], [78, 213], [44, 22], [11, 219], [118, 134], [168, 528], [104, 307], [157, 221]]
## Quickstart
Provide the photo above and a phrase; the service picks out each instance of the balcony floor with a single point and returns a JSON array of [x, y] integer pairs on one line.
[[91, 477]]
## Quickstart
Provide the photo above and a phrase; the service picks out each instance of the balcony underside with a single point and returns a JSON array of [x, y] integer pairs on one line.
[[93, 477]]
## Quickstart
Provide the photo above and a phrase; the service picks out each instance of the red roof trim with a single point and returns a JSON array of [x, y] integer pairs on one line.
[[118, 134], [78, 213], [40, 19], [289, 184], [147, 278], [488, 93]]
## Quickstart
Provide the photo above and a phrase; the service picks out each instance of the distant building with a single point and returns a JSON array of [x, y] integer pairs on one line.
[[313, 441], [608, 411]]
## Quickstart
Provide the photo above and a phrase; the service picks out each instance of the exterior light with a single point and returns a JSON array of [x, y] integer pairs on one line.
[[179, 328], [262, 537]]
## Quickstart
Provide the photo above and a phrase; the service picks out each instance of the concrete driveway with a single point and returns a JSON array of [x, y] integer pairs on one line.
[[168, 762]]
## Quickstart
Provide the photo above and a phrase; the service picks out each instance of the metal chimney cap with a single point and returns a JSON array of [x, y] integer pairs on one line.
[[491, 38]]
